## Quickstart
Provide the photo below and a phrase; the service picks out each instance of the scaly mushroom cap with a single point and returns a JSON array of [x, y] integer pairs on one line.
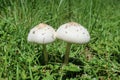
[[73, 32], [42, 34]]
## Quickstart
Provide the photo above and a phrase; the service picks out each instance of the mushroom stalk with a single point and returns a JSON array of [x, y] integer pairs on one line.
[[67, 52], [45, 54]]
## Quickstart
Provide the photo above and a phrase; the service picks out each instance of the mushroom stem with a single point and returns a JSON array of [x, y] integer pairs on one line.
[[66, 59], [45, 54]]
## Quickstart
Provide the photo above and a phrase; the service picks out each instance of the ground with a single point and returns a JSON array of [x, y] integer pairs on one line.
[[97, 60]]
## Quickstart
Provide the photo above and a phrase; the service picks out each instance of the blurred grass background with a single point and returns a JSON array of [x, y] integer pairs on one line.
[[97, 60]]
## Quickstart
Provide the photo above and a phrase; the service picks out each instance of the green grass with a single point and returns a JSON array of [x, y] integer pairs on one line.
[[97, 60]]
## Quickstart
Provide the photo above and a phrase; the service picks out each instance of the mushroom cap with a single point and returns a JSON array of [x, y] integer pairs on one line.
[[73, 32], [42, 33]]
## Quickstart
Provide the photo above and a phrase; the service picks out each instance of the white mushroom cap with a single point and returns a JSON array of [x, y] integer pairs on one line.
[[42, 34], [73, 32]]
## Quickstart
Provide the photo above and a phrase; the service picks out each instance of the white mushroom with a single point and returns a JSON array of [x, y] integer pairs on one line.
[[72, 32], [42, 34]]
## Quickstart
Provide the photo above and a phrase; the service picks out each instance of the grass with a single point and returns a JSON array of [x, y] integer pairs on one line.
[[97, 60]]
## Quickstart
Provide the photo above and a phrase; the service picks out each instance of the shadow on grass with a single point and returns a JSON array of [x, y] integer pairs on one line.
[[58, 60]]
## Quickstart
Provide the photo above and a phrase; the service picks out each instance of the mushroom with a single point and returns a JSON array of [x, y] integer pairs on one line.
[[42, 34], [72, 32]]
